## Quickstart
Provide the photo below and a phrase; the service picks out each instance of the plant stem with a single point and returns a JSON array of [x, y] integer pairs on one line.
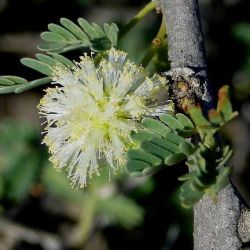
[[142, 13], [85, 223], [155, 45], [216, 226]]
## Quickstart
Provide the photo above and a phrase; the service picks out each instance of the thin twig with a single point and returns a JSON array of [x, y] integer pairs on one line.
[[141, 14]]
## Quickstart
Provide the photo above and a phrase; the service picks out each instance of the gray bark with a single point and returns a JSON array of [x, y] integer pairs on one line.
[[186, 47], [223, 225]]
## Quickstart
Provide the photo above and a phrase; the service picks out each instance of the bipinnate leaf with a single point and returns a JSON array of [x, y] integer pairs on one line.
[[161, 139], [169, 140], [208, 175], [43, 64], [68, 36]]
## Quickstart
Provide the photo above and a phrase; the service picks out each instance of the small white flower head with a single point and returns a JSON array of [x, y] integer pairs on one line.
[[92, 112]]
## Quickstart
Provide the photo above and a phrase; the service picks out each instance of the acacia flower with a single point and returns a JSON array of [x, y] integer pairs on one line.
[[92, 111]]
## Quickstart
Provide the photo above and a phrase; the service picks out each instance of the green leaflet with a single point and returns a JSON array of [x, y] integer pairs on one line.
[[174, 159], [187, 147], [199, 119], [6, 82], [224, 105], [136, 165], [52, 47], [155, 150], [224, 111], [32, 84], [7, 89], [88, 28], [57, 29], [111, 32], [215, 117], [155, 126], [14, 79], [227, 153], [19, 88], [70, 36], [98, 30], [168, 145], [48, 60], [141, 136], [185, 121], [144, 156], [74, 29], [174, 138], [63, 60], [187, 176], [222, 179], [171, 122], [188, 197], [37, 65], [53, 37]]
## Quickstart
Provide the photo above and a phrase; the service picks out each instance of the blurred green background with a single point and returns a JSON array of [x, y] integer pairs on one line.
[[38, 207]]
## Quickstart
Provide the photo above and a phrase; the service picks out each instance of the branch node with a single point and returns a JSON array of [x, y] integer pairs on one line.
[[187, 87]]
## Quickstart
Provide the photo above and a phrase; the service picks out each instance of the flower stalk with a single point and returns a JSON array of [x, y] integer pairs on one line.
[[155, 45]]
